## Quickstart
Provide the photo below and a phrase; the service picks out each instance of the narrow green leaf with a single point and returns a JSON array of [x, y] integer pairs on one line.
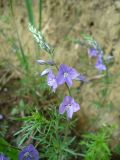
[[8, 150], [30, 11]]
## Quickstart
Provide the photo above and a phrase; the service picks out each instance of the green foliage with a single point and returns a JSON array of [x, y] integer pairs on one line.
[[32, 86], [8, 150], [117, 149], [3, 128], [21, 107], [55, 144], [29, 84], [49, 132], [96, 144], [31, 126]]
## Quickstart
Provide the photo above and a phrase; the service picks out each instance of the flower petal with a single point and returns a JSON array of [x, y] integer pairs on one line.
[[76, 107], [70, 112], [99, 64], [63, 68], [51, 81], [62, 108], [73, 73], [92, 52], [60, 79], [41, 62], [46, 71], [20, 155], [2, 157], [67, 100], [101, 67], [68, 80]]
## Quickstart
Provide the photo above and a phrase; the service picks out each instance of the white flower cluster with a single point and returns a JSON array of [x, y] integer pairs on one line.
[[40, 39]]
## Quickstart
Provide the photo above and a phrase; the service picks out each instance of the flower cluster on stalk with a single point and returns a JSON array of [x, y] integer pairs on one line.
[[93, 52], [65, 75]]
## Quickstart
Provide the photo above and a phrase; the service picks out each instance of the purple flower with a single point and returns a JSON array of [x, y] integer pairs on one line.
[[2, 157], [66, 74], [92, 52], [69, 105], [51, 81], [28, 153], [99, 64]]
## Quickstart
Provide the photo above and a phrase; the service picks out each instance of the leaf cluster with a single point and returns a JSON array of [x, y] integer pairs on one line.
[[48, 132], [96, 146]]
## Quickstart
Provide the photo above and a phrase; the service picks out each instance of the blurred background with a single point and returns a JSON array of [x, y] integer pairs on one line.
[[61, 22]]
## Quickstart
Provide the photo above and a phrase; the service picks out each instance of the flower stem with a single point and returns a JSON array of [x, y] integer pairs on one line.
[[61, 156], [68, 89]]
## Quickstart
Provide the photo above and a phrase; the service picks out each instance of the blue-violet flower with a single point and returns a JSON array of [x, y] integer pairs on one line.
[[51, 81], [69, 105], [99, 63], [2, 157], [28, 153], [66, 74], [92, 52]]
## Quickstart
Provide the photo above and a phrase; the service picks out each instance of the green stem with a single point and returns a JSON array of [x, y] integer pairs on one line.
[[60, 156], [68, 90], [29, 6], [107, 72]]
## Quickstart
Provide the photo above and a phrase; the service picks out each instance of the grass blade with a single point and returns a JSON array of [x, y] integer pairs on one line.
[[30, 11]]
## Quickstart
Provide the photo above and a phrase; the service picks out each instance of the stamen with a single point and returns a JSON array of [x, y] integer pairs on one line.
[[65, 74], [26, 155], [68, 106]]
